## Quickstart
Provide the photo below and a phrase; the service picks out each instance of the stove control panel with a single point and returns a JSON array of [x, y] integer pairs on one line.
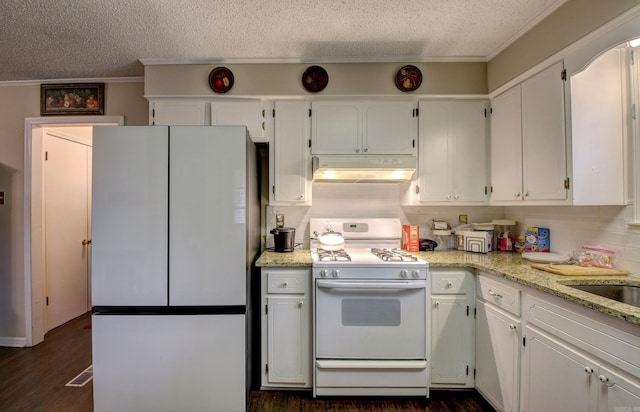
[[378, 272], [329, 273]]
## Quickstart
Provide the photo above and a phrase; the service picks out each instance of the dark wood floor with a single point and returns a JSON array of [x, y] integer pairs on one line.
[[34, 379]]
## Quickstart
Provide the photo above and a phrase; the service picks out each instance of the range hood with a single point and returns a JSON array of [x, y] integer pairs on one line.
[[363, 169]]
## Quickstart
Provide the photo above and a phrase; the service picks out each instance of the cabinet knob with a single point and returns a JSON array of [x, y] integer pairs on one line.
[[86, 242], [517, 194], [366, 150], [512, 326], [526, 194], [449, 284], [457, 197], [301, 197], [588, 370], [449, 197], [605, 379], [436, 304], [357, 150], [300, 304]]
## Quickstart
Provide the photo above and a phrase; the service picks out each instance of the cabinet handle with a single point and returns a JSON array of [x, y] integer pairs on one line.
[[366, 150], [436, 304], [588, 370], [285, 284], [495, 295], [449, 284], [86, 242], [512, 326], [300, 304]]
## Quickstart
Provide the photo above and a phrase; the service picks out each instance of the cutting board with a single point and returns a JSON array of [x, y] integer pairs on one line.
[[575, 270]]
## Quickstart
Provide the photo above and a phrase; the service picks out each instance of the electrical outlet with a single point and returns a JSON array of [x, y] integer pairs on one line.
[[279, 220], [462, 219]]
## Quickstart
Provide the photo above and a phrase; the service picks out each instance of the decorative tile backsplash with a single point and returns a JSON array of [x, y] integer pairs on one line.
[[570, 226]]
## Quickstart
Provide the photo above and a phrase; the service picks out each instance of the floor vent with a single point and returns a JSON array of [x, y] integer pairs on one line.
[[82, 379]]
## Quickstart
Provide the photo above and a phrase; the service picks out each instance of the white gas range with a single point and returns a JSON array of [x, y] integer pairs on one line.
[[371, 311]]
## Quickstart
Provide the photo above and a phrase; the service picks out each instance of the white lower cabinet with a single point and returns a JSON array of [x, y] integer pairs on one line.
[[498, 329], [573, 360], [286, 328], [452, 328], [497, 356]]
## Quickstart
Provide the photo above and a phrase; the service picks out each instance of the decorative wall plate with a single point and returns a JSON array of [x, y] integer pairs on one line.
[[408, 78], [221, 80], [315, 79]]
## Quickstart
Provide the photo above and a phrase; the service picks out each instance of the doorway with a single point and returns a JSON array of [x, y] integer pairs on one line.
[[36, 314]]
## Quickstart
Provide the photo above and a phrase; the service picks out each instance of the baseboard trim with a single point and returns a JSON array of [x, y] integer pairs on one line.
[[13, 342]]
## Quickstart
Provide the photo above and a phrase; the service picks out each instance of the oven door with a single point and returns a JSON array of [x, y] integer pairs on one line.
[[371, 319]]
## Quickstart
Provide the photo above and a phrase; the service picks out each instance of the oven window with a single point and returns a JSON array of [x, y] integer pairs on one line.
[[371, 312]]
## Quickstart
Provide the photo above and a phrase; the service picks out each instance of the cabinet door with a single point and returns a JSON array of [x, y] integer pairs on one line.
[[289, 329], [178, 112], [556, 377], [470, 151], [451, 339], [240, 113], [130, 216], [291, 171], [543, 136], [497, 357], [506, 146], [617, 392], [389, 128], [336, 128], [436, 154]]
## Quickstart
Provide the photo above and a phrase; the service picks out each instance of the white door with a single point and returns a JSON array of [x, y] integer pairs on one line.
[[389, 128], [67, 231]]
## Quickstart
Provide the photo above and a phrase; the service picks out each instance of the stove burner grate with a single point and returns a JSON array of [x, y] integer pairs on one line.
[[340, 255], [393, 255]]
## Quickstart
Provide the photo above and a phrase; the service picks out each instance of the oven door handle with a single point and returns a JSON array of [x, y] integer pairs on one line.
[[332, 284]]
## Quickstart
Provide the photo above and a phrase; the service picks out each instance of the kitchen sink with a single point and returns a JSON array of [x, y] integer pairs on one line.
[[622, 293]]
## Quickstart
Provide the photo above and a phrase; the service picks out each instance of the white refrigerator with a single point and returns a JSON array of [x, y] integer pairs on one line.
[[175, 232]]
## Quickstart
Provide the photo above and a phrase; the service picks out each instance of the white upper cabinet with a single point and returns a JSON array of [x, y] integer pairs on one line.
[[363, 127], [453, 151], [248, 112], [599, 129], [177, 113], [528, 150], [290, 161], [252, 113]]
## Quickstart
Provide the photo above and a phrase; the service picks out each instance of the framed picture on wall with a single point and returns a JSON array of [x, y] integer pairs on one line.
[[72, 99]]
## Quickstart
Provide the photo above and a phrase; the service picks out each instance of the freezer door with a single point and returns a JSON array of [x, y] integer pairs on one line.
[[169, 363], [129, 216], [207, 215]]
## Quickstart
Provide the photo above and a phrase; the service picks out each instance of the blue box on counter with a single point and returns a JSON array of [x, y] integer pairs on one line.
[[536, 239]]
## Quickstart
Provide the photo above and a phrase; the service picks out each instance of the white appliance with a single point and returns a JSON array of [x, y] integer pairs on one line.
[[370, 313], [175, 232]]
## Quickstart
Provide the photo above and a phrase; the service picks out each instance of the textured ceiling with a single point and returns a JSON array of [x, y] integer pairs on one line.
[[80, 39]]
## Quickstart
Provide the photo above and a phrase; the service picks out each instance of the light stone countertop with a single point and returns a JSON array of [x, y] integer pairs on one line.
[[507, 265]]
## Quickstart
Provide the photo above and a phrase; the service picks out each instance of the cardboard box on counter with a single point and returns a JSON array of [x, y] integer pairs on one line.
[[410, 238], [536, 239]]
